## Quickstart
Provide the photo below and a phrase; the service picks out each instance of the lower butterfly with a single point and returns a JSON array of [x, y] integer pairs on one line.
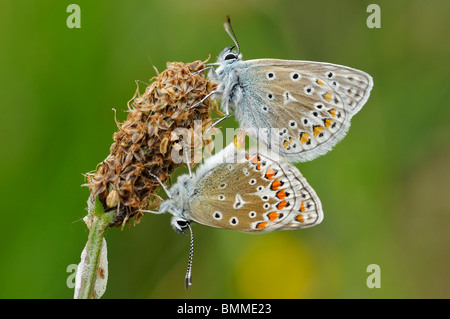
[[254, 191]]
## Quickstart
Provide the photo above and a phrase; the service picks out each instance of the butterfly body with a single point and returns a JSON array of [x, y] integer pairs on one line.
[[301, 109], [248, 192]]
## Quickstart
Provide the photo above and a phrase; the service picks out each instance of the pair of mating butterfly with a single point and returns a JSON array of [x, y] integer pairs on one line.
[[300, 109]]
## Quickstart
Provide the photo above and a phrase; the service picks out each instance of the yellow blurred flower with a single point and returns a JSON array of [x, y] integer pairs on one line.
[[276, 266]]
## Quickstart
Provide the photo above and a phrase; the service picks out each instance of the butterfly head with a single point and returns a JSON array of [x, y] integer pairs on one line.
[[178, 222], [229, 55], [178, 203], [178, 206]]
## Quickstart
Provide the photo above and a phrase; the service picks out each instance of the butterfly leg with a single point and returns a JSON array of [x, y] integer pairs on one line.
[[217, 122], [148, 211], [203, 100], [203, 70], [162, 185]]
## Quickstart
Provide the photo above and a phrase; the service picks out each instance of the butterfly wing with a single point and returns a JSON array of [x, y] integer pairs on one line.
[[310, 103], [258, 194]]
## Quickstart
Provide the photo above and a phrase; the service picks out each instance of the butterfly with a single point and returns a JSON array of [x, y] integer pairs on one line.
[[301, 109], [252, 191]]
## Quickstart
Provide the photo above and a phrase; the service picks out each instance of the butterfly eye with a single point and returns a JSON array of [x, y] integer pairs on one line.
[[230, 56], [182, 223], [179, 224]]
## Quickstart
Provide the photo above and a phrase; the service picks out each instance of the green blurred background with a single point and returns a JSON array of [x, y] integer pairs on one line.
[[385, 188]]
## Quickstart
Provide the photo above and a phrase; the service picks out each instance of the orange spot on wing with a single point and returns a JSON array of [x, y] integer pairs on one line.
[[317, 130], [270, 173], [328, 123], [304, 137], [327, 96], [281, 205], [261, 225], [275, 185], [255, 159], [302, 207], [273, 216], [285, 144], [332, 112], [258, 166], [320, 82], [281, 194], [300, 218]]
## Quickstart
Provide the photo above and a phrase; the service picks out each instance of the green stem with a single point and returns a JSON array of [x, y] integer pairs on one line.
[[97, 222]]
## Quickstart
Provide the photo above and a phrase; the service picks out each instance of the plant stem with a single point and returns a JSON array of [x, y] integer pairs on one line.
[[97, 222]]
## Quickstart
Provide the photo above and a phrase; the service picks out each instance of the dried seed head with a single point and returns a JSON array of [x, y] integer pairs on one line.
[[144, 143]]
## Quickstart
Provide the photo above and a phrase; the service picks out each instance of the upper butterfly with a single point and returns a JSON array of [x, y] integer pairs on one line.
[[300, 109]]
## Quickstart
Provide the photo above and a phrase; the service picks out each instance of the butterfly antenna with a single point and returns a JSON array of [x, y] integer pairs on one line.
[[188, 279], [230, 32], [162, 185]]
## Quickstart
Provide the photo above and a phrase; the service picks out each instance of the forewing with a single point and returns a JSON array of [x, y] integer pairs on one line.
[[309, 103]]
